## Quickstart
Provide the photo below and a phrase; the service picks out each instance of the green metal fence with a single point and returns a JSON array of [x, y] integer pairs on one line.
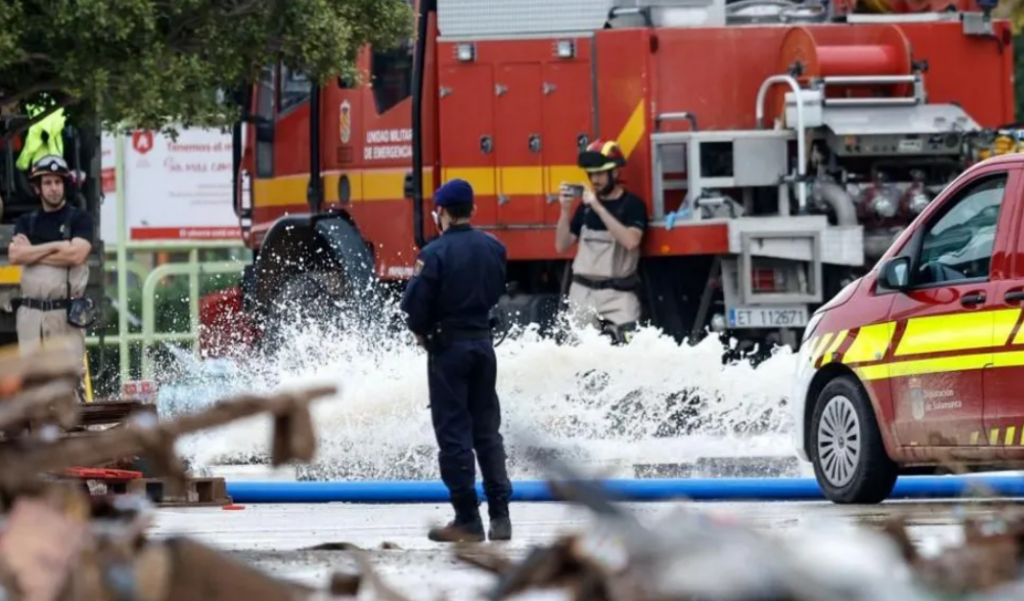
[[152, 279]]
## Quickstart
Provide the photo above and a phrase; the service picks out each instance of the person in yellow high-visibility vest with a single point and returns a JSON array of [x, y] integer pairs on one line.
[[43, 138]]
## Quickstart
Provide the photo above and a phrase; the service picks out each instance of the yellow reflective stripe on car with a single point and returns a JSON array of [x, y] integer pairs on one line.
[[1002, 327], [939, 364], [918, 367], [819, 346], [826, 356], [944, 333], [1008, 359], [809, 349], [981, 335], [873, 372], [1011, 436], [870, 344]]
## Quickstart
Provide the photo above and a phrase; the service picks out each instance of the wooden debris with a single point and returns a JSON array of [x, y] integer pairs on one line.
[[191, 492], [483, 558], [38, 388], [345, 584], [983, 562], [58, 543], [374, 581], [112, 413], [155, 439], [616, 559]]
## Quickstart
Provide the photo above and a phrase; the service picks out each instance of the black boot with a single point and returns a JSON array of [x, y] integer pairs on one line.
[[467, 525], [501, 524]]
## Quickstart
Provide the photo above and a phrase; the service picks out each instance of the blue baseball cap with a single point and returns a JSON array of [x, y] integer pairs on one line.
[[454, 192]]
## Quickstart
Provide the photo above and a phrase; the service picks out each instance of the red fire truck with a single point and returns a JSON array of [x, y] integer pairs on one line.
[[781, 147]]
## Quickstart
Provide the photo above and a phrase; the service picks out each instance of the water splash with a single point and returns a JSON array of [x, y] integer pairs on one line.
[[614, 407]]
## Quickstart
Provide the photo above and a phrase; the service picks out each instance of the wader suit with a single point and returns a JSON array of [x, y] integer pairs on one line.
[[42, 309], [605, 276], [605, 279]]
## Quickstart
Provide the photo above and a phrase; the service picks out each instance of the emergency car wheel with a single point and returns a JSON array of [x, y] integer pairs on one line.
[[850, 461]]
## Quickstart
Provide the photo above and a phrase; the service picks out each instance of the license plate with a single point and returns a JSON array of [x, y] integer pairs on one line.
[[768, 317]]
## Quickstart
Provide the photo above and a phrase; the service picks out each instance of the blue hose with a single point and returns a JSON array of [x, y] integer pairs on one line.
[[697, 489]]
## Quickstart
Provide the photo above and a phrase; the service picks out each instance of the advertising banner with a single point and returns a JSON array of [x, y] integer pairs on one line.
[[175, 190]]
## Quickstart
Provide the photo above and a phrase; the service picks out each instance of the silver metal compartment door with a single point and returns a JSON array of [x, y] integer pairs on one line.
[[478, 18]]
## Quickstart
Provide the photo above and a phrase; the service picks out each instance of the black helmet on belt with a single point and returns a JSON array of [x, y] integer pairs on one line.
[[50, 164], [601, 156]]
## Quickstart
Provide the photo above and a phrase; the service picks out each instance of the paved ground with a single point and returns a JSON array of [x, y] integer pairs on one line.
[[273, 536]]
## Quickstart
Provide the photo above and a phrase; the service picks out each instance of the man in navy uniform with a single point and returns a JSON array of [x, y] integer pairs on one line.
[[457, 281]]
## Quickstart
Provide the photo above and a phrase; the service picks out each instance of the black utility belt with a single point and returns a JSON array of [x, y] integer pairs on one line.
[[467, 334], [40, 304], [621, 284]]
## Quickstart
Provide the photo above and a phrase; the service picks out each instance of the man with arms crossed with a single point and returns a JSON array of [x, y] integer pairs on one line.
[[52, 244]]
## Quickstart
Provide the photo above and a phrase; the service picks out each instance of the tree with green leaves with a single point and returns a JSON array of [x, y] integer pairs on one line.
[[150, 63]]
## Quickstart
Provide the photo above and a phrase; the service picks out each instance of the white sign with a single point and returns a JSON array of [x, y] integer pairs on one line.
[[174, 190]]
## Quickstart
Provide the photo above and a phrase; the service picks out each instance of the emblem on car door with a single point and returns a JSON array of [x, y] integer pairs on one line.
[[916, 399]]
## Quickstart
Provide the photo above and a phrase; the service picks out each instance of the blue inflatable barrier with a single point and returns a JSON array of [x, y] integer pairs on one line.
[[697, 489]]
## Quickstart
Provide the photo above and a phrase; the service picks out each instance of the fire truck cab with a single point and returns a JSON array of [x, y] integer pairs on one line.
[[917, 366], [781, 147]]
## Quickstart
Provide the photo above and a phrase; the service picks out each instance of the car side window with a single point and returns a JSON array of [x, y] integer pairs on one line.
[[957, 246]]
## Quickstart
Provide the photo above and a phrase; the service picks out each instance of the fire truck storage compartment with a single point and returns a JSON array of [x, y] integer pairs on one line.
[[518, 126], [512, 120], [568, 106], [466, 113]]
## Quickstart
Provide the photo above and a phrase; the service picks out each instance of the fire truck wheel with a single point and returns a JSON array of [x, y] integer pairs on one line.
[[850, 460]]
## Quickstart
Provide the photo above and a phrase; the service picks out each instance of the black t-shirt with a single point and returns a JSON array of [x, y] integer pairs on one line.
[[628, 209], [49, 225]]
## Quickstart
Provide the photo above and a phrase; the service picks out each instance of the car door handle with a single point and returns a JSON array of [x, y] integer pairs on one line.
[[1014, 296], [975, 298]]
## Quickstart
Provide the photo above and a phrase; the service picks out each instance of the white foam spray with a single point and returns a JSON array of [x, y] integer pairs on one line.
[[652, 401]]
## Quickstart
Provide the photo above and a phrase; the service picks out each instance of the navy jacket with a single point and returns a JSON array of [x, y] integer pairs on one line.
[[458, 279]]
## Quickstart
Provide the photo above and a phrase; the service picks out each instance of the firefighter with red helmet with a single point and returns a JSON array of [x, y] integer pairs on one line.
[[52, 244], [609, 225]]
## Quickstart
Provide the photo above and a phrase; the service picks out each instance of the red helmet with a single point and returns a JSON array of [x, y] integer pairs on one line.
[[600, 156]]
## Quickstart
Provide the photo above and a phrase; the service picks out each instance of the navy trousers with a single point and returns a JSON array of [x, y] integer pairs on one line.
[[466, 416]]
